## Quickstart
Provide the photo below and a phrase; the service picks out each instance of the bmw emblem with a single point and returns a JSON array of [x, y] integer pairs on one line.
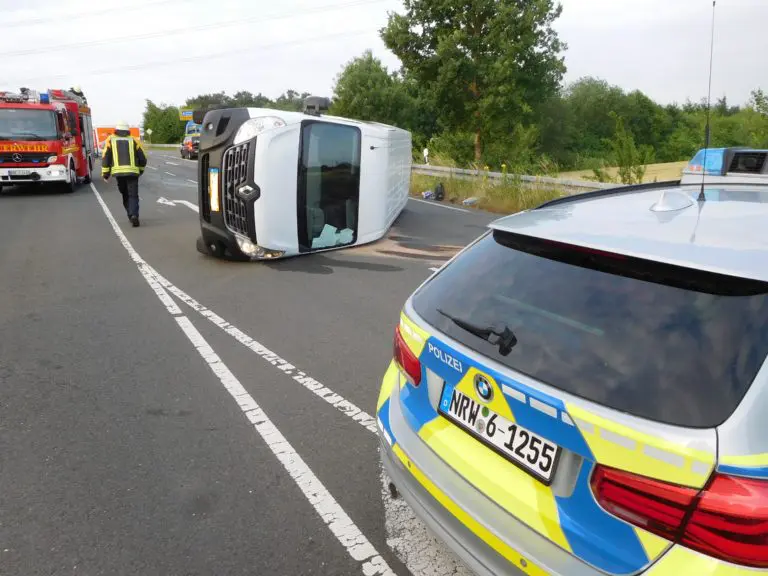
[[483, 388]]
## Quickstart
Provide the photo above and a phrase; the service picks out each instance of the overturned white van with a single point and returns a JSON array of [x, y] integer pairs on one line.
[[274, 184]]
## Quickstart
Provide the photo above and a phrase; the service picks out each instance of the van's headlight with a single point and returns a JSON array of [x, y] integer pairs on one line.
[[256, 126]]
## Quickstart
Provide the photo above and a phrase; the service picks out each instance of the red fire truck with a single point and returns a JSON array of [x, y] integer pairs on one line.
[[45, 138]]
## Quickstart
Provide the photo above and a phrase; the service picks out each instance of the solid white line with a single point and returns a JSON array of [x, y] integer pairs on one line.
[[193, 181], [439, 205], [326, 506], [170, 174], [172, 163], [143, 267], [338, 521], [340, 403]]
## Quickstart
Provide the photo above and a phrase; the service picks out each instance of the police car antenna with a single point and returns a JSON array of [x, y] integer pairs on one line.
[[702, 198]]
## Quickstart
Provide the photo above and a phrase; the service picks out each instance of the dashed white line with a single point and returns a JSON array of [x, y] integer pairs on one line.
[[152, 167], [340, 403], [435, 269], [192, 181], [170, 174], [338, 521], [171, 163], [439, 205]]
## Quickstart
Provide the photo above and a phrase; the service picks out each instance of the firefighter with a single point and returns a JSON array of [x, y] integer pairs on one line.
[[124, 159]]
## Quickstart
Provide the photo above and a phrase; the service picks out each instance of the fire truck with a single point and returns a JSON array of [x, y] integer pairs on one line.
[[45, 138]]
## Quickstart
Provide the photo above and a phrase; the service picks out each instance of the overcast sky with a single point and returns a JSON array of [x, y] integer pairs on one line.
[[658, 46]]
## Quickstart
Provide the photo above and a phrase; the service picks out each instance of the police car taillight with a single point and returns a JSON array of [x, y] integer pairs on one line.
[[406, 360], [727, 520]]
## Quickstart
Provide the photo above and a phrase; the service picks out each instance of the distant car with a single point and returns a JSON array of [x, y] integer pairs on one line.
[[584, 389], [189, 147]]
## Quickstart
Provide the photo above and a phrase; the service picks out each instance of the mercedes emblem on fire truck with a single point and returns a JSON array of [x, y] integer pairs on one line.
[[16, 157]]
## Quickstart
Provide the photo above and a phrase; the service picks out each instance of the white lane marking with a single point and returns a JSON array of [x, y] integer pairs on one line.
[[339, 402], [338, 521], [193, 181], [435, 269], [172, 163], [170, 174], [439, 205], [189, 205], [143, 267], [326, 506], [152, 167]]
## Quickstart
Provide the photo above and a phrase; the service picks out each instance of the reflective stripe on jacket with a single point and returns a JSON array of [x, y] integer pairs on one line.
[[123, 156]]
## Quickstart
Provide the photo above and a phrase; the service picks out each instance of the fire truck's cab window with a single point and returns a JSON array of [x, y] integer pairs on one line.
[[329, 185], [27, 125]]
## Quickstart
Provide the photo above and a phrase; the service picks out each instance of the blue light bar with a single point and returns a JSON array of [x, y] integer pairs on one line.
[[45, 98]]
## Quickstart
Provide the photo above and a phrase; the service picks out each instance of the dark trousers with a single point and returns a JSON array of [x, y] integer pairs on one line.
[[129, 188]]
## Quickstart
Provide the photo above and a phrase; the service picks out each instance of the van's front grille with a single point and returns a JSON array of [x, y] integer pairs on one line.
[[234, 175]]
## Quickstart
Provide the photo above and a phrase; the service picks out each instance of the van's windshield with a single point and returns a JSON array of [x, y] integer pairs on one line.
[[670, 344]]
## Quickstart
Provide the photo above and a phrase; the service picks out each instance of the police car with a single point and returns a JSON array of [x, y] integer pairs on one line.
[[584, 390]]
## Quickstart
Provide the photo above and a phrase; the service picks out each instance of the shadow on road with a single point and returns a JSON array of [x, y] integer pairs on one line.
[[316, 264]]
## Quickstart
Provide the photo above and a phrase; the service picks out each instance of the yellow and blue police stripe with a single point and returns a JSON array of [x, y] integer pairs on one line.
[[576, 522], [750, 466]]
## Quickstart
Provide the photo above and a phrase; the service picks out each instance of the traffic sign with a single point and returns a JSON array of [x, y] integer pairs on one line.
[[185, 113], [149, 131]]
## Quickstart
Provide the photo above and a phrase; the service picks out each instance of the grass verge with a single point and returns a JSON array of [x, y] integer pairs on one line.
[[503, 198]]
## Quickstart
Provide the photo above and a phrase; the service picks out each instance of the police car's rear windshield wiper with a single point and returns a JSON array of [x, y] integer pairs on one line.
[[499, 334]]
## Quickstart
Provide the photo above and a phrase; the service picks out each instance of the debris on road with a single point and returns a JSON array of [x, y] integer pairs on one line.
[[471, 201]]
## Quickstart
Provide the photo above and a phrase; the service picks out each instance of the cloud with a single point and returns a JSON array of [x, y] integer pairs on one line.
[[657, 46]]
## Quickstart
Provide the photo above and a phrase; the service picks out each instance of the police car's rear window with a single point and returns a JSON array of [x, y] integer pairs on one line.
[[666, 343]]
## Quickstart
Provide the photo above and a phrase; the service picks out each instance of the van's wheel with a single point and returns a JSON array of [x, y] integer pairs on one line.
[[70, 187]]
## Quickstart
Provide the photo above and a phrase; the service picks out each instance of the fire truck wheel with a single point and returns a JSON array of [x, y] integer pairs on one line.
[[69, 187]]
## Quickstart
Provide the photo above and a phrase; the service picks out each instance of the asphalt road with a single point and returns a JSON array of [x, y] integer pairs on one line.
[[163, 412]]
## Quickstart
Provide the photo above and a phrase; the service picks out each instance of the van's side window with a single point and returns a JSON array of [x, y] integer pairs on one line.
[[329, 185]]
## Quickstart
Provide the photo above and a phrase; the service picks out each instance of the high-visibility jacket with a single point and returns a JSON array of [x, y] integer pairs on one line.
[[123, 156]]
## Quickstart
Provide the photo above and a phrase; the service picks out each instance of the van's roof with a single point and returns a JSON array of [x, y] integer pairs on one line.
[[727, 233], [296, 117]]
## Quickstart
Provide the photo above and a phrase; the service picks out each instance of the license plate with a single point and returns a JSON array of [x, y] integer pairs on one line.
[[520, 446], [19, 172]]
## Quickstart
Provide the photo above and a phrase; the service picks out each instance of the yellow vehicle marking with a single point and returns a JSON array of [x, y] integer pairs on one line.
[[388, 384], [746, 461], [498, 403], [653, 545], [512, 555], [70, 149], [414, 336], [514, 490], [680, 560], [622, 447]]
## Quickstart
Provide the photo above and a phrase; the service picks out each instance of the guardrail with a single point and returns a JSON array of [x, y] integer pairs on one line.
[[463, 174], [150, 145]]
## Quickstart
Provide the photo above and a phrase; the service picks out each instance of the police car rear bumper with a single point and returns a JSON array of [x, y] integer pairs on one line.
[[532, 552], [52, 173]]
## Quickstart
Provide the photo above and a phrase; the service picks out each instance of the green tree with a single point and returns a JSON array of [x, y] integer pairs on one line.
[[630, 159], [487, 61], [365, 90], [759, 101], [164, 122], [290, 101]]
